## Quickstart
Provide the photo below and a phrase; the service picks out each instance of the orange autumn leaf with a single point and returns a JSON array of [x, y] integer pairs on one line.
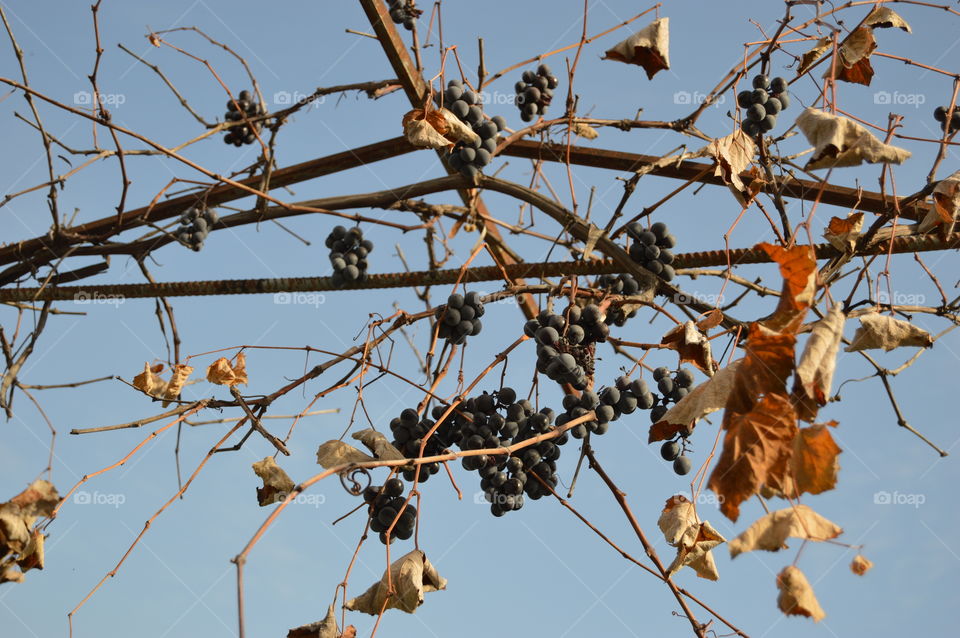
[[853, 62], [756, 449], [648, 48], [860, 565], [764, 370], [222, 373], [796, 595], [692, 345], [799, 271], [843, 233], [814, 465]]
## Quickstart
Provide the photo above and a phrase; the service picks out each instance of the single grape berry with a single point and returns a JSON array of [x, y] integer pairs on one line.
[[670, 450], [682, 465]]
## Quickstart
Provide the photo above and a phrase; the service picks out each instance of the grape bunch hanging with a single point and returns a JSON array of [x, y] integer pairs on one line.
[[403, 12], [535, 92], [652, 248], [460, 317], [408, 431], [244, 134], [469, 158], [348, 254], [622, 284], [565, 343], [388, 505], [762, 104], [940, 115], [195, 226]]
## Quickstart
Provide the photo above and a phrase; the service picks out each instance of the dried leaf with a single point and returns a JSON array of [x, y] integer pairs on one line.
[[853, 63], [148, 381], [379, 445], [584, 130], [648, 48], [884, 18], [10, 574], [756, 448], [425, 129], [334, 453], [594, 233], [457, 130], [692, 345], [770, 532], [796, 596], [710, 320], [844, 233], [733, 154], [38, 500], [178, 377], [818, 362], [860, 565], [21, 546], [883, 331], [798, 267], [764, 370], [326, 628], [841, 142], [276, 483], [222, 372], [707, 397], [692, 539], [33, 556], [946, 202], [814, 54], [814, 465], [412, 576]]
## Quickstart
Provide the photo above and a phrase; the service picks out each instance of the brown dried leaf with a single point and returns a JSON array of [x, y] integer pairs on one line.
[[10, 574], [841, 142], [692, 345], [709, 396], [692, 539], [884, 18], [814, 465], [764, 370], [733, 154], [710, 320], [883, 331], [798, 267], [770, 532], [796, 596], [33, 556], [814, 54], [818, 362], [756, 448], [853, 63], [425, 129], [20, 545], [844, 233], [412, 576], [648, 48], [326, 628], [178, 377], [276, 483], [40, 499], [584, 130], [334, 453], [457, 130], [946, 202], [148, 381], [379, 445], [222, 372], [860, 565]]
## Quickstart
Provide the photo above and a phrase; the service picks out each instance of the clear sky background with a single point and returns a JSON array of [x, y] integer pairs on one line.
[[535, 572]]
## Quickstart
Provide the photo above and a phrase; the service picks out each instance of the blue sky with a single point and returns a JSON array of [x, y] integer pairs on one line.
[[538, 571]]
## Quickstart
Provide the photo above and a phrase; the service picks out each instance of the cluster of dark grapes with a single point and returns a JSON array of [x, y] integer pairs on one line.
[[408, 431], [672, 387], [386, 503], [652, 248], [498, 420], [240, 135], [460, 317], [534, 92], [565, 343], [195, 226], [403, 12], [470, 158], [675, 450], [623, 284], [940, 115], [762, 104], [348, 254]]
